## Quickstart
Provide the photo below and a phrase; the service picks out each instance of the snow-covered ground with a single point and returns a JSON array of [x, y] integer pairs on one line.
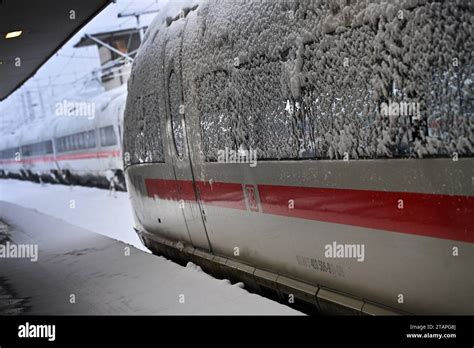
[[90, 208], [102, 275]]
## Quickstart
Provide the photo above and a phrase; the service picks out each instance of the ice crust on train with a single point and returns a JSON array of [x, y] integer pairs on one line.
[[307, 79]]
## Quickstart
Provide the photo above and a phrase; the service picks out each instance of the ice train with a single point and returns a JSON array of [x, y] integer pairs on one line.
[[349, 208], [80, 145]]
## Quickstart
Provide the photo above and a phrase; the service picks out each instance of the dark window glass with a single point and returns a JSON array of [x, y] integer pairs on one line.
[[68, 143], [82, 145], [90, 136], [26, 150], [79, 141], [107, 136], [48, 147], [38, 149], [9, 153], [73, 143]]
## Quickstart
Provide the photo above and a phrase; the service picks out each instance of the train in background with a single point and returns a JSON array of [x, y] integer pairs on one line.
[[304, 84], [75, 147]]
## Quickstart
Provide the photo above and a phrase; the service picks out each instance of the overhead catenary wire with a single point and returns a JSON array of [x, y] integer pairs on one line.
[[67, 78]]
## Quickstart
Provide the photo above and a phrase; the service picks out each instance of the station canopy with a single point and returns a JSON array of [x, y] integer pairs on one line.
[[33, 31]]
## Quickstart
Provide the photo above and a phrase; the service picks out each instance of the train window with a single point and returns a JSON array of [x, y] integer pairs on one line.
[[26, 150], [107, 136], [143, 141], [69, 144], [134, 142], [78, 141], [177, 114], [34, 149], [72, 145], [75, 145], [48, 147], [83, 141], [334, 95], [15, 151], [82, 138], [390, 119], [9, 153], [93, 138], [37, 149], [250, 110], [90, 139], [152, 131], [215, 120], [4, 153], [266, 116], [78, 138], [66, 144], [247, 111], [73, 142]]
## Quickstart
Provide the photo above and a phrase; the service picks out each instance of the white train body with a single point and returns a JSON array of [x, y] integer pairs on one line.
[[336, 174], [71, 147]]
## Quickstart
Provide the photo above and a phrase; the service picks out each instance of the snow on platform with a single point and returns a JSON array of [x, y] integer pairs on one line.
[[106, 276], [90, 208]]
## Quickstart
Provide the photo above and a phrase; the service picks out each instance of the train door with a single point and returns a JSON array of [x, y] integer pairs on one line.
[[176, 127]]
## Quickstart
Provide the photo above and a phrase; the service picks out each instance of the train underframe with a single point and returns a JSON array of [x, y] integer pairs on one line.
[[65, 177], [301, 296]]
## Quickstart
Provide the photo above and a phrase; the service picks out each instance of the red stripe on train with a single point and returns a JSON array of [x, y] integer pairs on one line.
[[66, 157], [221, 194], [225, 195], [430, 215]]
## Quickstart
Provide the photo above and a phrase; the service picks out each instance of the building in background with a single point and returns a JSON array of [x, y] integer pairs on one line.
[[116, 51]]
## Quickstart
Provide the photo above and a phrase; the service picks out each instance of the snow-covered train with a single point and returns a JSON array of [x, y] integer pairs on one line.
[[360, 114], [81, 144]]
